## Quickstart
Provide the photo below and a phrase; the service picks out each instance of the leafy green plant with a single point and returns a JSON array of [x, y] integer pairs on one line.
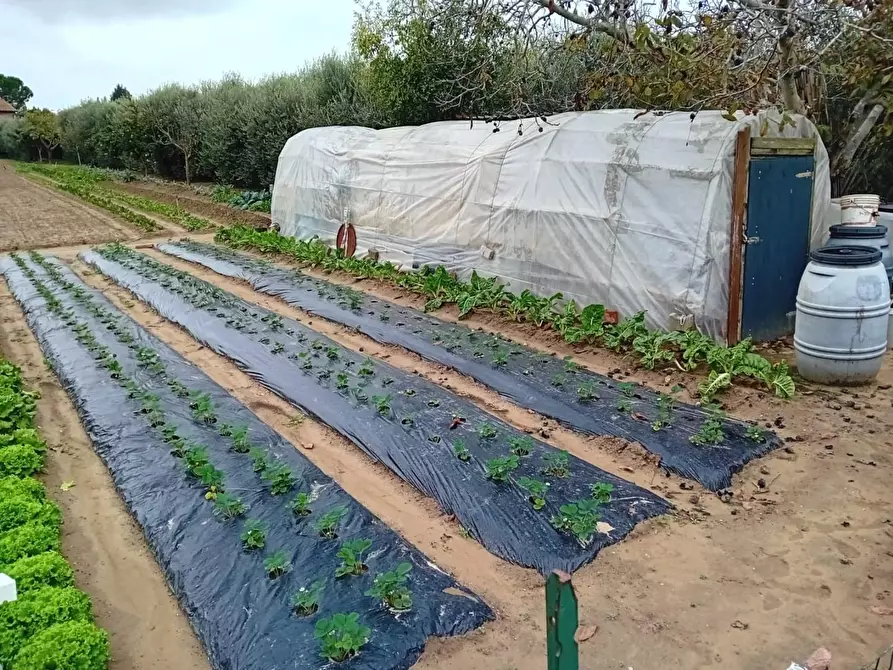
[[259, 461], [229, 506], [341, 636], [254, 534], [461, 451], [520, 445], [29, 539], [665, 405], [75, 644], [601, 492], [195, 458], [579, 519], [277, 564], [500, 358], [499, 469], [351, 555], [240, 443], [555, 464], [36, 572], [710, 431], [300, 506], [38, 610], [537, 491], [202, 407], [624, 404], [306, 601], [756, 434], [20, 460], [367, 369], [486, 431], [327, 525], [390, 588], [342, 381]]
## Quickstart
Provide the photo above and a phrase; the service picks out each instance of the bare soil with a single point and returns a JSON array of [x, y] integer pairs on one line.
[[101, 541], [195, 203], [797, 554]]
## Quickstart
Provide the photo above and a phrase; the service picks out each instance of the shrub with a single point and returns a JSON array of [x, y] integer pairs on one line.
[[17, 486], [20, 460], [73, 645], [28, 540], [40, 609], [35, 572], [19, 510]]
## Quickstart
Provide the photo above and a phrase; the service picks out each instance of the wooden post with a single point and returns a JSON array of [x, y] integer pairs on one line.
[[736, 238], [561, 623]]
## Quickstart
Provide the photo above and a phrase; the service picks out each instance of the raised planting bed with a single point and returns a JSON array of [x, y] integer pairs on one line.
[[274, 564], [522, 499], [701, 445]]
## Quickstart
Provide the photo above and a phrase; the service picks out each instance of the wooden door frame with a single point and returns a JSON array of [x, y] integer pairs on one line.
[[745, 147]]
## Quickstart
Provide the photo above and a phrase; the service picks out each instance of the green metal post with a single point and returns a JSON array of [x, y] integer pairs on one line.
[[561, 622]]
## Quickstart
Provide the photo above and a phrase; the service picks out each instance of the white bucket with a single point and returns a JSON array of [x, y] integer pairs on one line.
[[860, 209], [890, 330]]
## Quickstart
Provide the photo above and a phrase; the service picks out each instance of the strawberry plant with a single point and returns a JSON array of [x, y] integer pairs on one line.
[[341, 636], [537, 491], [240, 443], [342, 381], [499, 469], [277, 564], [520, 445], [195, 458], [211, 478], [500, 359], [486, 431], [367, 369], [306, 601], [390, 588], [461, 451], [351, 555], [756, 434], [665, 404], [279, 477], [254, 534], [300, 506], [258, 459], [586, 392], [382, 403], [229, 506], [710, 431], [555, 464], [579, 519], [332, 353], [202, 407], [601, 492], [327, 525]]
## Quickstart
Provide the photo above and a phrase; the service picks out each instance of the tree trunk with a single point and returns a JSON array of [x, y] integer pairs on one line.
[[39, 154], [186, 160], [859, 131]]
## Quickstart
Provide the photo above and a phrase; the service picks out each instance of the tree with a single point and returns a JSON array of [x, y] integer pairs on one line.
[[120, 92], [14, 91], [706, 54], [42, 126], [174, 115]]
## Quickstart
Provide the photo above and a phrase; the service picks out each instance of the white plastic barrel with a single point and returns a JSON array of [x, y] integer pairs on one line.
[[864, 236], [859, 209], [843, 309]]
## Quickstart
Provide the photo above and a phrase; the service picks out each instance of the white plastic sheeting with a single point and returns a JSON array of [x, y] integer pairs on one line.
[[627, 209]]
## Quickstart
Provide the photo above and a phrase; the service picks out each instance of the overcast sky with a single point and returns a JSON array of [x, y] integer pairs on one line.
[[68, 50]]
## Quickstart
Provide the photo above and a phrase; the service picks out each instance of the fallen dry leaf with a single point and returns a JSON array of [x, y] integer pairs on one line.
[[603, 527], [307, 445], [639, 416], [66, 486], [584, 633], [740, 625], [880, 610]]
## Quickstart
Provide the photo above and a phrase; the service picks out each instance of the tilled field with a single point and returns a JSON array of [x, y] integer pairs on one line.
[[794, 554]]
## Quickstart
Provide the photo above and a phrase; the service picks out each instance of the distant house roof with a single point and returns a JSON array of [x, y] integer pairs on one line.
[[6, 108]]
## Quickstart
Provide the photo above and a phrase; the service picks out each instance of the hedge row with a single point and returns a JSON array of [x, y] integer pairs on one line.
[[50, 626]]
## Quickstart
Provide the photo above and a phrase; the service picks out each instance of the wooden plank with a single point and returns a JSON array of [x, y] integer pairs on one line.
[[561, 623], [788, 146], [736, 237]]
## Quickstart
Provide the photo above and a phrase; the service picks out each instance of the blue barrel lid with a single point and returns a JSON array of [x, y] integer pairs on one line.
[[842, 232], [847, 256]]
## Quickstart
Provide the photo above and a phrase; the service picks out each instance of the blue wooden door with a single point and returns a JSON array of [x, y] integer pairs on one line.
[[779, 199]]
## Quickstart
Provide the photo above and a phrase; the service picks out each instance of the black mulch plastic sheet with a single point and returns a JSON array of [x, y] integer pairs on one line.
[[529, 378], [242, 617], [414, 435]]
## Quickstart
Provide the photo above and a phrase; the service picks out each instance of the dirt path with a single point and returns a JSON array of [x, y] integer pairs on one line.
[[753, 583], [101, 541], [34, 216]]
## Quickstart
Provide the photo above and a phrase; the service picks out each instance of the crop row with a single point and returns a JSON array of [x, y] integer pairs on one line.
[[442, 444], [699, 443], [151, 384], [51, 623], [86, 183], [688, 350]]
